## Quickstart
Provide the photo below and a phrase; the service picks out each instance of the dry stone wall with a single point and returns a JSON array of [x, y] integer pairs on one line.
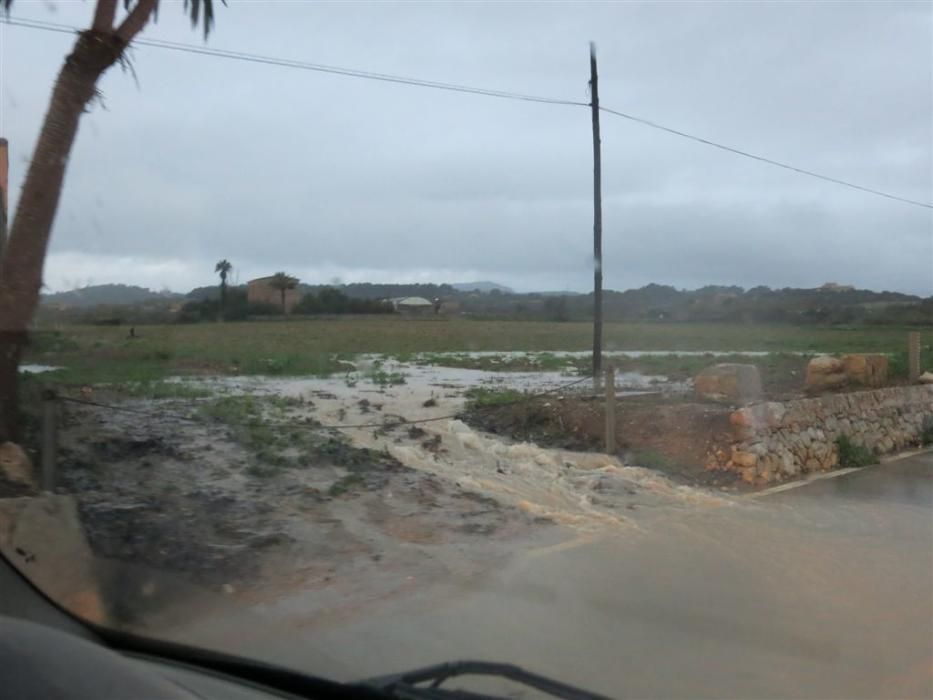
[[779, 441]]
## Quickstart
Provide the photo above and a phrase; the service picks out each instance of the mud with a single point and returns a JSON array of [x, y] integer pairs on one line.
[[170, 509]]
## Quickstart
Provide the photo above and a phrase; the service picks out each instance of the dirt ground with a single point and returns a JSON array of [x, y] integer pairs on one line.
[[170, 508]]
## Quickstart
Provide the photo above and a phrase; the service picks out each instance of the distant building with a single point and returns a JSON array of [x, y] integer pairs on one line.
[[834, 287], [261, 291], [412, 305]]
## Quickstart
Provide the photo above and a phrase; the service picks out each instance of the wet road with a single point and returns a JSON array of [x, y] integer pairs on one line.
[[822, 591]]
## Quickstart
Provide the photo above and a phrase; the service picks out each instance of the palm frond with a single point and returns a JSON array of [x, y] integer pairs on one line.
[[192, 7], [194, 10]]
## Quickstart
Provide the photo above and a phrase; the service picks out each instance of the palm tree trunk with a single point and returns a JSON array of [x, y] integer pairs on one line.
[[24, 256], [223, 299], [283, 300]]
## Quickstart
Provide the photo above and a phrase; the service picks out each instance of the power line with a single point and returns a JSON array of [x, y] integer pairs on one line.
[[304, 65], [454, 87], [786, 166]]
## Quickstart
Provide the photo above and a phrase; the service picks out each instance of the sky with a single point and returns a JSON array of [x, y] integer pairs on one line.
[[190, 158]]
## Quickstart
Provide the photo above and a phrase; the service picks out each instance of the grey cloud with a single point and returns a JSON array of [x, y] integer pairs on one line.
[[277, 169]]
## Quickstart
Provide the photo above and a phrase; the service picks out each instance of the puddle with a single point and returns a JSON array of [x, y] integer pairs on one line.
[[575, 354], [37, 369]]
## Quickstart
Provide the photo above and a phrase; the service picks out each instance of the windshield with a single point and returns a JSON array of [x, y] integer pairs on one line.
[[593, 338]]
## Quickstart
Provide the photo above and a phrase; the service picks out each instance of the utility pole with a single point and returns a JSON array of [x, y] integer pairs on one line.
[[597, 222], [4, 186]]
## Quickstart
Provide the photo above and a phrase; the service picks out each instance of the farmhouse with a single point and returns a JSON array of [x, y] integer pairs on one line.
[[262, 291]]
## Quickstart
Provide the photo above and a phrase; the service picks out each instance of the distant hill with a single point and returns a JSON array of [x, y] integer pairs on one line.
[[483, 286], [365, 290], [107, 294]]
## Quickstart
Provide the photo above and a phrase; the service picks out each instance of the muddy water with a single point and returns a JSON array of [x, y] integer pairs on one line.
[[583, 490]]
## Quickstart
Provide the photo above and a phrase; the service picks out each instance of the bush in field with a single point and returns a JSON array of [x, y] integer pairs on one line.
[[852, 454], [208, 309], [333, 301]]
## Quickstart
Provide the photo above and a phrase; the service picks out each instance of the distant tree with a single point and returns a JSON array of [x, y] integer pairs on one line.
[[555, 309], [283, 283], [223, 267]]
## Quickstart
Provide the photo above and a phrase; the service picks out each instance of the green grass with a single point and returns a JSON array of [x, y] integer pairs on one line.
[[94, 354], [481, 397], [852, 454], [897, 364], [344, 484]]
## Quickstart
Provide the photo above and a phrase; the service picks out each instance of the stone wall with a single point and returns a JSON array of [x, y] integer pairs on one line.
[[779, 441]]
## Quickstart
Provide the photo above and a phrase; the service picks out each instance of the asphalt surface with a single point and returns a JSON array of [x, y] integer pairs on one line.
[[821, 591]]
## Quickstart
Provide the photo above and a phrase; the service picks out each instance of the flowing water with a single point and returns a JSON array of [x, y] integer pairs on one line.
[[416, 423]]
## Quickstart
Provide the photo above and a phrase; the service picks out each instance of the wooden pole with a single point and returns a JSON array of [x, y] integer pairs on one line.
[[49, 437], [4, 190], [913, 356], [610, 410], [597, 221]]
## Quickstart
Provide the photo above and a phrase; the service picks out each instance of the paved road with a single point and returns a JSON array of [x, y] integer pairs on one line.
[[823, 591]]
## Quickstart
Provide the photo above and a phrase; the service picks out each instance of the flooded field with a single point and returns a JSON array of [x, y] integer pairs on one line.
[[354, 486]]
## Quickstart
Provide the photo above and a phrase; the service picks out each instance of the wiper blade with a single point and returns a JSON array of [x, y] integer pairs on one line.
[[424, 683]]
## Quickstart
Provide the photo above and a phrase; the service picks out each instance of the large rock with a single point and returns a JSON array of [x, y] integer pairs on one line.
[[867, 370], [16, 470], [926, 378], [44, 539], [728, 383], [825, 372]]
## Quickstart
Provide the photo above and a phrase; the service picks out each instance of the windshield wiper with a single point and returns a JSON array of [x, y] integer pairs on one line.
[[424, 683]]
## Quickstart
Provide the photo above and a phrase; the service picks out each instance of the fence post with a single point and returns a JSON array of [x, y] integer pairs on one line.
[[610, 410], [49, 439], [913, 356]]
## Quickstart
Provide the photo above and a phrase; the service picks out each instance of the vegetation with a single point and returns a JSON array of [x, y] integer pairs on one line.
[[482, 397], [898, 365], [926, 432], [105, 354], [332, 301], [283, 283], [852, 454], [714, 304], [223, 268]]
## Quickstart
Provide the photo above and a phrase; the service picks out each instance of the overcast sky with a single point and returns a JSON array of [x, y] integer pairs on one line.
[[331, 177]]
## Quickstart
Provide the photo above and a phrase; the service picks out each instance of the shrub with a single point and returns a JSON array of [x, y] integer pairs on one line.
[[926, 432], [852, 454], [333, 301], [479, 397]]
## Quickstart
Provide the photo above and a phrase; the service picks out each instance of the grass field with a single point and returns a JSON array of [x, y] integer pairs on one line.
[[92, 354]]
